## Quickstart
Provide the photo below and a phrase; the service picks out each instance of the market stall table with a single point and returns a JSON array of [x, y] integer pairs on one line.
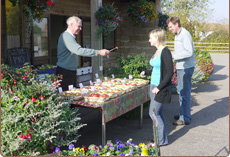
[[118, 106]]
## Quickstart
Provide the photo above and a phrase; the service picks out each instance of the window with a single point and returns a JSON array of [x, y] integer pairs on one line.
[[12, 25], [41, 38]]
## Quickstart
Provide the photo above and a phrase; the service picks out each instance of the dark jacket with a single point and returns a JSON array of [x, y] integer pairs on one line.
[[164, 95]]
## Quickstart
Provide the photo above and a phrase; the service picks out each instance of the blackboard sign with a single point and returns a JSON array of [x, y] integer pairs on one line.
[[17, 57]]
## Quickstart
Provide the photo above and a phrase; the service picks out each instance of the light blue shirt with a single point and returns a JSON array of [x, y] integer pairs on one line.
[[183, 54], [156, 73]]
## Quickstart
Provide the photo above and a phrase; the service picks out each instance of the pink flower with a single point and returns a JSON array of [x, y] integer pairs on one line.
[[42, 98], [33, 99], [95, 148], [24, 78]]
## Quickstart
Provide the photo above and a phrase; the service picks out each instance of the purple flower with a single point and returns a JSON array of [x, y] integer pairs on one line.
[[120, 146], [122, 154], [15, 98], [111, 147], [95, 154], [131, 152], [57, 150], [71, 146]]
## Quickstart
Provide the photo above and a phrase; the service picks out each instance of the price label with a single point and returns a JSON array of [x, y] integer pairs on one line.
[[113, 76], [118, 81], [106, 79], [102, 86], [70, 87], [91, 83], [81, 85], [125, 79], [60, 89], [84, 91], [99, 81], [111, 83], [94, 88], [101, 68], [130, 77], [96, 75]]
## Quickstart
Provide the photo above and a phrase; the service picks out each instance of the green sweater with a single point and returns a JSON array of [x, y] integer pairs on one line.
[[68, 50]]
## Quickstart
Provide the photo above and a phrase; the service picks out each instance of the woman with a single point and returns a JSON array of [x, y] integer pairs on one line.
[[160, 87]]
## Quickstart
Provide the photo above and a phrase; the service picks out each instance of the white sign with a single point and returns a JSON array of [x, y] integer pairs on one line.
[[91, 83], [106, 79], [111, 83], [102, 86], [125, 79], [60, 89], [99, 81], [94, 88], [84, 91], [70, 87], [130, 77], [101, 68], [96, 75], [81, 85], [113, 76]]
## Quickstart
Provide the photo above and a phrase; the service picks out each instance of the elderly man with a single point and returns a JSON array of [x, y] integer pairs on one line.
[[68, 51]]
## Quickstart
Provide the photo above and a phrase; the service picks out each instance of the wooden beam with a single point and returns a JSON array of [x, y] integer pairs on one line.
[[96, 43]]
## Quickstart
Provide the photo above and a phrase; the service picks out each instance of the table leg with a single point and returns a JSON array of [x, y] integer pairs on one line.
[[141, 116], [103, 128]]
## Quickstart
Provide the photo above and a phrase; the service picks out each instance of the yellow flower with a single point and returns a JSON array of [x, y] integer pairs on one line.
[[141, 145], [144, 151], [82, 150], [77, 149]]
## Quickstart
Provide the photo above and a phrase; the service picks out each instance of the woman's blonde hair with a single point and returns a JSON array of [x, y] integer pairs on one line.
[[160, 34]]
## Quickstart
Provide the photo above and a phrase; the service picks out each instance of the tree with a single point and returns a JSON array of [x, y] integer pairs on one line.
[[189, 11]]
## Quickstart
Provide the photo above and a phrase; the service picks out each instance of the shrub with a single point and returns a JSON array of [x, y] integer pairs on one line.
[[204, 61], [133, 65], [34, 119]]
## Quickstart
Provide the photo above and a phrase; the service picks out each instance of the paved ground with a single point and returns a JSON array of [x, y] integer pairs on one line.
[[207, 135]]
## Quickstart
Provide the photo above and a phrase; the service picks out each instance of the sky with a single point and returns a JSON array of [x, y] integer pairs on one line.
[[221, 11]]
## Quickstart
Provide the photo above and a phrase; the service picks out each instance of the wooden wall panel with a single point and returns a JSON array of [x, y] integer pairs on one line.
[[71, 7]]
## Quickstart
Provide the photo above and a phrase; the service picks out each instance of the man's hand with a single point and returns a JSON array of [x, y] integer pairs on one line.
[[103, 52], [142, 74]]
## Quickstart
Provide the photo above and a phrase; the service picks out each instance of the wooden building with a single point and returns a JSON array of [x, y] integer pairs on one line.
[[42, 41]]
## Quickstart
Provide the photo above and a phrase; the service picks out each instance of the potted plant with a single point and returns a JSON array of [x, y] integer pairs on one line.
[[107, 19], [141, 11]]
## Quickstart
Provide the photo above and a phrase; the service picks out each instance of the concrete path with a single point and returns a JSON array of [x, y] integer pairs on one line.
[[207, 135]]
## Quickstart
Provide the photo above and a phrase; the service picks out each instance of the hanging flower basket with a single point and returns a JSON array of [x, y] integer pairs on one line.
[[162, 20], [140, 12], [107, 19], [34, 9]]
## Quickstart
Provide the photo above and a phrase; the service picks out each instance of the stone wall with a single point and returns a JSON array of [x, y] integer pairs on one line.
[[129, 40]]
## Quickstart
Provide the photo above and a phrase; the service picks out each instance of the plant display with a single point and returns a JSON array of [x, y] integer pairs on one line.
[[162, 20], [133, 65], [174, 78], [107, 19], [204, 61], [198, 75], [203, 69], [112, 149], [141, 11], [34, 9], [34, 119]]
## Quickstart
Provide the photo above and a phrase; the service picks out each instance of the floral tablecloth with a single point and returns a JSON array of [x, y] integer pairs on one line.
[[118, 106]]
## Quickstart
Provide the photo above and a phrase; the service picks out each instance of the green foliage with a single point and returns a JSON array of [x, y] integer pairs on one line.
[[141, 11], [34, 119], [133, 65], [107, 19]]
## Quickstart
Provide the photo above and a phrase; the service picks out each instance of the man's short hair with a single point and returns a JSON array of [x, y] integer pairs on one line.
[[174, 20], [72, 19]]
